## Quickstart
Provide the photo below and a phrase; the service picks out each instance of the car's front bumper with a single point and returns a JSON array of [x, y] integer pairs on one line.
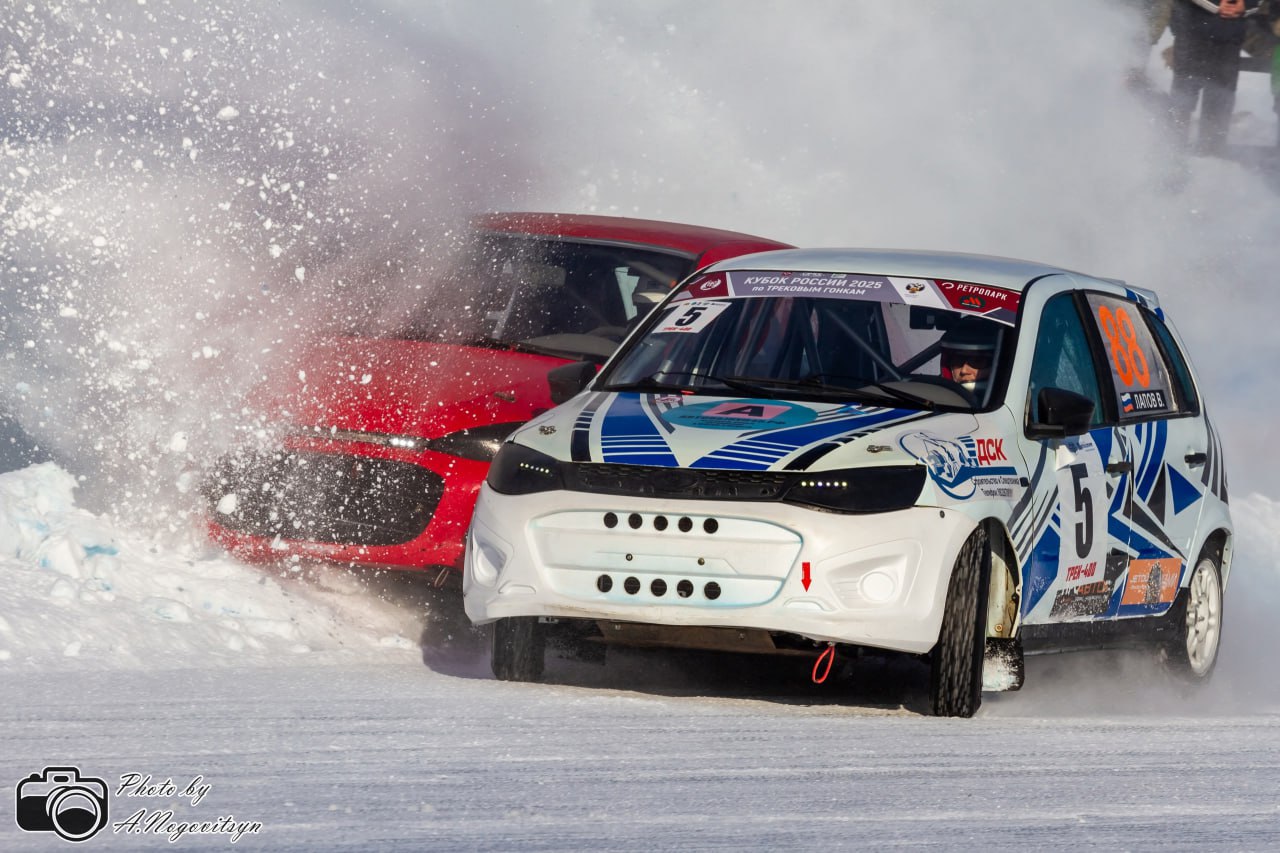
[[344, 509], [876, 580]]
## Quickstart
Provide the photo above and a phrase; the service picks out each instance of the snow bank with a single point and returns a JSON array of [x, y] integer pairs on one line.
[[78, 590]]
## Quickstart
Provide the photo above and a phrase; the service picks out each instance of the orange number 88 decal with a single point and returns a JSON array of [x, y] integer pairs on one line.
[[1126, 353]]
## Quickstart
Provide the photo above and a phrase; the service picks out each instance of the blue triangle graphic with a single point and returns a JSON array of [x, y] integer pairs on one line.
[[1184, 492]]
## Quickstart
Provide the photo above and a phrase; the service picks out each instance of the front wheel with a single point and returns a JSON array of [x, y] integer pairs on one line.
[[519, 649], [955, 670], [1192, 650]]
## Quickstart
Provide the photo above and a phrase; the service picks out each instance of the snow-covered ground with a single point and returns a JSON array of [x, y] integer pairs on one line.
[[175, 184]]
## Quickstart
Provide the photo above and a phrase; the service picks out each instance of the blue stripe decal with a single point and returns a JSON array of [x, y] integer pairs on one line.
[[1103, 438], [1154, 460], [790, 439], [1183, 490], [629, 436], [1042, 566]]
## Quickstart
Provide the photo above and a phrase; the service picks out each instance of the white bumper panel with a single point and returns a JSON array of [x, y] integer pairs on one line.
[[876, 580]]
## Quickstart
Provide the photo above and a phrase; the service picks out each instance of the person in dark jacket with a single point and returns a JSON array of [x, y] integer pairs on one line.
[[1207, 39], [1273, 24]]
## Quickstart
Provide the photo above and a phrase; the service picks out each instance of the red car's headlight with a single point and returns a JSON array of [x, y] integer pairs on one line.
[[478, 443]]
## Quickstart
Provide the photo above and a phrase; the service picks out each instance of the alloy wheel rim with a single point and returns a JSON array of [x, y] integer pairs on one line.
[[1204, 618]]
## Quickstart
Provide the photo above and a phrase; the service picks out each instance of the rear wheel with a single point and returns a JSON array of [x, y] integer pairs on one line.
[[955, 676], [519, 649], [1192, 651]]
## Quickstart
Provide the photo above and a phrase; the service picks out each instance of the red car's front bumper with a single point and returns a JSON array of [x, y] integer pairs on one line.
[[345, 502]]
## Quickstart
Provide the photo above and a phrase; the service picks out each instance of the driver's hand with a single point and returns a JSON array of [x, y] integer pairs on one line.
[[1231, 8]]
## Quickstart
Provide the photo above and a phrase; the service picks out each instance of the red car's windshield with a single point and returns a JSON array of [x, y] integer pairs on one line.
[[565, 297]]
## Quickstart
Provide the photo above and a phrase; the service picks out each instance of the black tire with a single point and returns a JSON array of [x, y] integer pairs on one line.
[[955, 664], [519, 649], [1191, 652]]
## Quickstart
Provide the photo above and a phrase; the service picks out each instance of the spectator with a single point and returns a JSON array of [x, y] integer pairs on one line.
[[1155, 19], [1273, 24], [1207, 40]]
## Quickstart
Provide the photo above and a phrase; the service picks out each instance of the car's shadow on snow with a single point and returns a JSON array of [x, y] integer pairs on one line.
[[871, 683], [888, 683], [1076, 684], [451, 645]]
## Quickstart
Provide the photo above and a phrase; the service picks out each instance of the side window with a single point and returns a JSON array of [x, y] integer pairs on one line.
[[1063, 358], [1188, 400], [1138, 369], [627, 287]]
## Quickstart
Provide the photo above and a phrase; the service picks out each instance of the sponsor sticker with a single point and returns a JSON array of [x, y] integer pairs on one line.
[[918, 291], [965, 296], [829, 285], [995, 303], [1093, 597], [740, 415], [966, 467], [1152, 581], [707, 287]]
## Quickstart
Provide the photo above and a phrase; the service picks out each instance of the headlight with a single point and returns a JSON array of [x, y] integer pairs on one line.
[[479, 443], [859, 489], [403, 442], [519, 470]]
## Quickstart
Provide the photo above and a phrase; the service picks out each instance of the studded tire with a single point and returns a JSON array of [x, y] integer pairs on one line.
[[519, 649], [955, 663]]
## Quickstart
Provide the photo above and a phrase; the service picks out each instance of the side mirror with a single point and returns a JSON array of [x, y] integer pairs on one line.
[[1062, 413], [568, 379]]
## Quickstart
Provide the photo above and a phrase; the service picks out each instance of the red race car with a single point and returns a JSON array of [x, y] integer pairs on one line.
[[385, 437]]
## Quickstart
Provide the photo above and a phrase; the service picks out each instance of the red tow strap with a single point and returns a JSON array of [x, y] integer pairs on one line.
[[829, 654]]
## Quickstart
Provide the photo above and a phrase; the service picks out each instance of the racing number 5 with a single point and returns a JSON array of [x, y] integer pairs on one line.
[[690, 316], [1084, 506], [1126, 353]]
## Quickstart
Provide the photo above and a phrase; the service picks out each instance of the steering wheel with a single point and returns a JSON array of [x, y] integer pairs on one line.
[[951, 385], [611, 333]]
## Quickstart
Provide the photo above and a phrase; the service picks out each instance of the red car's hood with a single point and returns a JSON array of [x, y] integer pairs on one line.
[[401, 387]]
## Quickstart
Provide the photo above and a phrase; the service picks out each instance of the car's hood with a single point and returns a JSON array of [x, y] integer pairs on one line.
[[401, 387], [677, 430]]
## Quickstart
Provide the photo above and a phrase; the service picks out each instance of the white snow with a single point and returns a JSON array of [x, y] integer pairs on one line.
[[77, 585]]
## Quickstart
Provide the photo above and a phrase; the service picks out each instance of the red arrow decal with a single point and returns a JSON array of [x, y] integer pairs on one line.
[[805, 580]]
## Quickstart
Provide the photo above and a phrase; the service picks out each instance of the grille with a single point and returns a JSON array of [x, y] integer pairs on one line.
[[656, 481], [324, 497]]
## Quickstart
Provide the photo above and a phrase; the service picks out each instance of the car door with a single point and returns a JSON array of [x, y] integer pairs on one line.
[[1159, 416], [1075, 552]]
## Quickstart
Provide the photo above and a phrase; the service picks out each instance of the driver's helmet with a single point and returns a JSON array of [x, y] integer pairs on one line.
[[972, 342]]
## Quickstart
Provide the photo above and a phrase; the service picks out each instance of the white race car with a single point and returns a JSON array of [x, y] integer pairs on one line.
[[947, 455]]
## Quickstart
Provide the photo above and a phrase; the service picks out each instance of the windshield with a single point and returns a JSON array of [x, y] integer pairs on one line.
[[910, 343], [577, 299]]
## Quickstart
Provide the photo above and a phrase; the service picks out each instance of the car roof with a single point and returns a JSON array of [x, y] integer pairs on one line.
[[1009, 273], [692, 240]]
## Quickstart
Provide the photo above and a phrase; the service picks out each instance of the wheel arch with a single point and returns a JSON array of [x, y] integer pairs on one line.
[[1005, 589], [1218, 545]]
